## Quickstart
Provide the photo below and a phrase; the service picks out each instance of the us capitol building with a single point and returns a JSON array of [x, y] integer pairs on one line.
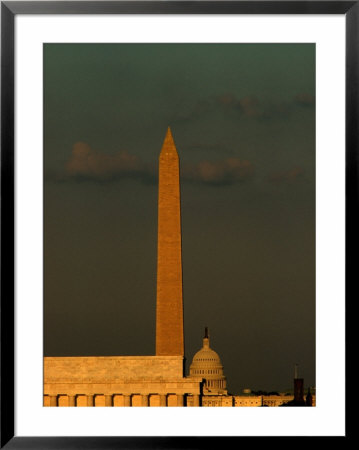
[[152, 380]]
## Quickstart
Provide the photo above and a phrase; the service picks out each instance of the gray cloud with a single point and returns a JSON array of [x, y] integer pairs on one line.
[[249, 106], [209, 147], [287, 176], [87, 164], [252, 107], [224, 172]]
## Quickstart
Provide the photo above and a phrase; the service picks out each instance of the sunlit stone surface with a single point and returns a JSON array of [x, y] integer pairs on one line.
[[169, 309]]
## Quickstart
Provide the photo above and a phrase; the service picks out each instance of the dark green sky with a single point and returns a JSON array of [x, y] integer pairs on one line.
[[243, 119]]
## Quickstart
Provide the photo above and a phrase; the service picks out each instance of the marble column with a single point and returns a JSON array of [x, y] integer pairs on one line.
[[126, 400], [180, 400], [71, 400], [163, 400], [90, 400], [195, 400], [145, 400], [108, 400]]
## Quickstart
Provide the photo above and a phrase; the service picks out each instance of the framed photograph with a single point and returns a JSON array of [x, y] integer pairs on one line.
[[179, 211]]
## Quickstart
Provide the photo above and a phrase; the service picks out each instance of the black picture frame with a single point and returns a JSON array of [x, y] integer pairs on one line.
[[9, 9]]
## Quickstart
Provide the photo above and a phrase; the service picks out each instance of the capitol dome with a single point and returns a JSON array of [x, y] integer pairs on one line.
[[206, 365]]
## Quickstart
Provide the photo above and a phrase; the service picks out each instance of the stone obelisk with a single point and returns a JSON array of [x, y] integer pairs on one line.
[[169, 311]]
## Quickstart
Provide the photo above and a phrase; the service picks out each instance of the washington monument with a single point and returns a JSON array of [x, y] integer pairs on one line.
[[169, 308]]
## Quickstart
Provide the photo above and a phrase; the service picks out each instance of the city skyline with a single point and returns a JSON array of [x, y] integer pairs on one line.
[[247, 160]]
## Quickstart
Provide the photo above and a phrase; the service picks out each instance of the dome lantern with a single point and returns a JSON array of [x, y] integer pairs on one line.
[[206, 338]]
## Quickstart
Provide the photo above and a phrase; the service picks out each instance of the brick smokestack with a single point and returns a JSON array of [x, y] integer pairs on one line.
[[298, 390]]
